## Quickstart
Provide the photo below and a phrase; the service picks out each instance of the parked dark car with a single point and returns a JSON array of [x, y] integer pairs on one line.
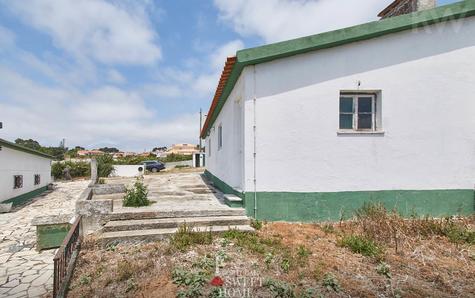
[[153, 166]]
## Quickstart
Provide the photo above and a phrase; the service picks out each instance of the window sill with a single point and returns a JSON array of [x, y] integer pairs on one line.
[[359, 132]]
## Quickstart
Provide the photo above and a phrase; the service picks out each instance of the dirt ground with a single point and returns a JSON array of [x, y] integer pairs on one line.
[[290, 260]]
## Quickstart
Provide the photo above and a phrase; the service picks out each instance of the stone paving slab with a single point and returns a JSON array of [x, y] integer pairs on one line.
[[174, 192], [24, 272]]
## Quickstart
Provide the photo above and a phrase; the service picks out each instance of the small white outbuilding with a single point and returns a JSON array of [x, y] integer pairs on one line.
[[24, 173], [311, 129]]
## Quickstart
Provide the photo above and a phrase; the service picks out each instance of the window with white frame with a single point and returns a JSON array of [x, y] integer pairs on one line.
[[359, 112], [220, 136]]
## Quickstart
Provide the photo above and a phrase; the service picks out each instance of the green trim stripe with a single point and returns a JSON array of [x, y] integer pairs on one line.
[[332, 206], [336, 38], [24, 198], [14, 146], [222, 186]]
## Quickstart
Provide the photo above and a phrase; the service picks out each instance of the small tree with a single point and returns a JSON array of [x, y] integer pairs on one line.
[[105, 165], [137, 195]]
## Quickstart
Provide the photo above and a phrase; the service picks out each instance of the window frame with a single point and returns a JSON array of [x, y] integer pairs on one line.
[[209, 146], [355, 113], [15, 184], [37, 179], [220, 136]]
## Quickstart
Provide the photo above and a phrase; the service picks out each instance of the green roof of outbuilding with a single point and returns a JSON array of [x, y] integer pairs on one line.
[[335, 38], [14, 146]]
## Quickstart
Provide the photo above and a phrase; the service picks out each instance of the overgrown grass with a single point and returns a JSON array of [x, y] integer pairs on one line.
[[390, 228], [252, 242], [186, 237], [361, 245]]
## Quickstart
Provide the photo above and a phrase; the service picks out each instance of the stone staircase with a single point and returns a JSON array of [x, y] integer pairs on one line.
[[153, 226]]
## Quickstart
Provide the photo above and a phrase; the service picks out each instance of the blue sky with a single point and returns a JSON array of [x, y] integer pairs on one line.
[[133, 74]]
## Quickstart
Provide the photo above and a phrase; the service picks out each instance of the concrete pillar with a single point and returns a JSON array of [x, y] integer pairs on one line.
[[94, 177]]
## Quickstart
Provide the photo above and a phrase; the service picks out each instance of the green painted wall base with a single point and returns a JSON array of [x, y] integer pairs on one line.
[[51, 236], [24, 198], [234, 204], [222, 186], [331, 206]]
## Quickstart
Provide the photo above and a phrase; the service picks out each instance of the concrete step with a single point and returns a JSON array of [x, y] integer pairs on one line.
[[233, 201], [176, 214], [164, 223], [161, 234]]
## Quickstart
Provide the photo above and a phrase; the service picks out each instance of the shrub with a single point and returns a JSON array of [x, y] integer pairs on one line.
[[280, 288], [256, 224], [330, 282], [105, 165], [384, 269], [192, 283], [361, 245], [136, 196], [76, 169]]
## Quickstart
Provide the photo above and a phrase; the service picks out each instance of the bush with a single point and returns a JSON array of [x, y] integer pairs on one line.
[[136, 196], [176, 157], [105, 165], [76, 169], [361, 245]]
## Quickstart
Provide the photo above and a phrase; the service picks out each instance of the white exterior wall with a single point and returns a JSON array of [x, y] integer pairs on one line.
[[127, 170], [227, 163], [14, 162], [427, 79]]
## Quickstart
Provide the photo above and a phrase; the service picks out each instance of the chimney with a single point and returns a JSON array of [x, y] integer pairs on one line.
[[400, 7]]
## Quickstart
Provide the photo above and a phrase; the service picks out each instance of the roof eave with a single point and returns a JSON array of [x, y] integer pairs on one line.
[[17, 147], [331, 39]]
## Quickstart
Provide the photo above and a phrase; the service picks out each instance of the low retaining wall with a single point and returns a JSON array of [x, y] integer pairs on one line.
[[94, 212], [172, 165], [127, 170]]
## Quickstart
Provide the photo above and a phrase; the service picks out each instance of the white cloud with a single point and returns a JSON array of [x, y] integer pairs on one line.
[[96, 29], [115, 77], [106, 115], [277, 20], [7, 38]]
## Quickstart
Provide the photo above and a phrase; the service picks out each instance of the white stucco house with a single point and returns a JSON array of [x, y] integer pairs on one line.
[[24, 173], [310, 129]]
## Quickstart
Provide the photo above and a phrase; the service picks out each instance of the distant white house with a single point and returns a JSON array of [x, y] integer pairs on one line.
[[310, 129], [24, 173]]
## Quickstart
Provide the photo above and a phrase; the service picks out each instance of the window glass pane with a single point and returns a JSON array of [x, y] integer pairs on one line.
[[346, 105], [365, 105], [365, 121], [346, 121]]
